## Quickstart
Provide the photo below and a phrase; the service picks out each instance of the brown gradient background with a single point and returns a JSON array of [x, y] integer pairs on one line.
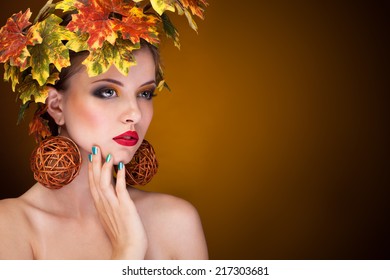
[[276, 128]]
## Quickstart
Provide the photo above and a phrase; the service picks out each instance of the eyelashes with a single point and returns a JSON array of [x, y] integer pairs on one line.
[[147, 94], [105, 93], [108, 93]]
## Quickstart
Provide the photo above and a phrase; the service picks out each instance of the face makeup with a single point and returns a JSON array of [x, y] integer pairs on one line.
[[129, 138]]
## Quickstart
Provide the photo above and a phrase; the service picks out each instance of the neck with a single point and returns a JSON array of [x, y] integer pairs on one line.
[[74, 199]]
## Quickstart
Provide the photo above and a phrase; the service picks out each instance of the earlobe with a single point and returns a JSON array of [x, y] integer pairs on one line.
[[54, 105]]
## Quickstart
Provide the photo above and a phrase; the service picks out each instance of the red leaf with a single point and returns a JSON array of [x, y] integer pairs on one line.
[[93, 19], [137, 25], [196, 6], [103, 19], [14, 38]]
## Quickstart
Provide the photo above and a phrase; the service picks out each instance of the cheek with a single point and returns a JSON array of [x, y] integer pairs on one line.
[[147, 115], [84, 115]]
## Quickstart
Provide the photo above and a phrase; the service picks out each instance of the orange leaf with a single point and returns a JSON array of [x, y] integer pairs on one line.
[[14, 38], [93, 19], [38, 126], [104, 20], [196, 6], [138, 25]]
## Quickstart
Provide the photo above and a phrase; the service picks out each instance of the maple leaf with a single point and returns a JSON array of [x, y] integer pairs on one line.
[[51, 50], [94, 19], [137, 25], [124, 57], [29, 87], [13, 73], [196, 6], [66, 5], [116, 6], [160, 6], [99, 61], [186, 7], [78, 43], [107, 20], [39, 126], [14, 39], [170, 30]]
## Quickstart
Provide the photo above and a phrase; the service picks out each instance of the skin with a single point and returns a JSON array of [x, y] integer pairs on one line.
[[95, 216]]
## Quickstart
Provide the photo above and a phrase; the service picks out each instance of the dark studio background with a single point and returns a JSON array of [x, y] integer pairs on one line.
[[276, 128]]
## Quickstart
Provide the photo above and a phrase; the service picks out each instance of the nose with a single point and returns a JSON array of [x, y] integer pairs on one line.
[[131, 113]]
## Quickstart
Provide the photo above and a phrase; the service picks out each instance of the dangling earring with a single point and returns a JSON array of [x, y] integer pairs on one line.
[[55, 162], [141, 169]]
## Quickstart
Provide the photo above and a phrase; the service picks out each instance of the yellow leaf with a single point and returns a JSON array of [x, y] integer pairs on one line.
[[51, 50], [29, 88], [11, 72], [124, 57], [160, 6], [66, 5]]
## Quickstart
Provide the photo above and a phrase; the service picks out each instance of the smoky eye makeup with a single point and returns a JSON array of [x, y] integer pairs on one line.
[[148, 94], [105, 92]]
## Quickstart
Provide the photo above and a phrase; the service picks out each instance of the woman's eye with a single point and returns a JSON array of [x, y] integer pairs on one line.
[[148, 94], [105, 93]]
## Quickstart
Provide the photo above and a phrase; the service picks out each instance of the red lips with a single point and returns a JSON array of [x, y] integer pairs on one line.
[[129, 138]]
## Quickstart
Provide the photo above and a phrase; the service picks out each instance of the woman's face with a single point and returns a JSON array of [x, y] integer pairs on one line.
[[106, 110]]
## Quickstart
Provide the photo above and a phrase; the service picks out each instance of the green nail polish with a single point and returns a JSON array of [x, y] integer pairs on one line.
[[120, 166], [108, 158], [94, 150], [90, 157]]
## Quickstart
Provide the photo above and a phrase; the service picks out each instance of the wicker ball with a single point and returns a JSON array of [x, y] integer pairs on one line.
[[141, 169], [55, 162]]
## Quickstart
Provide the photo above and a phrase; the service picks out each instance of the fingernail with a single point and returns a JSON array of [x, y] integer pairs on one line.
[[90, 157], [94, 150], [120, 166], [108, 158]]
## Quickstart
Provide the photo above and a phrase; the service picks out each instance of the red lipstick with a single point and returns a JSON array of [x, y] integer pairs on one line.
[[129, 138]]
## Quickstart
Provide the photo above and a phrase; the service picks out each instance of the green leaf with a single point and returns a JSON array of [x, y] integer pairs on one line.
[[22, 111], [124, 57], [51, 50], [120, 55], [78, 43], [100, 60], [66, 5], [160, 6], [13, 73], [170, 30], [30, 88]]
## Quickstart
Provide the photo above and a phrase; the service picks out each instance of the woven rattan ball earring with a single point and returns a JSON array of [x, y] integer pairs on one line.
[[55, 162], [141, 169]]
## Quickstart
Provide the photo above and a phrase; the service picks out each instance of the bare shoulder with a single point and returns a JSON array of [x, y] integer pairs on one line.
[[172, 221], [11, 209], [164, 204], [14, 230]]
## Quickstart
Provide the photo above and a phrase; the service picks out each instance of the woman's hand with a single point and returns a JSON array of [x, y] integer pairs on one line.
[[116, 209]]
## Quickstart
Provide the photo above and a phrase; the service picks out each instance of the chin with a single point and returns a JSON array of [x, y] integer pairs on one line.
[[123, 158]]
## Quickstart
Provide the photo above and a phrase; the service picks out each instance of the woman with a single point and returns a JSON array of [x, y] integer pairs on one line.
[[107, 115]]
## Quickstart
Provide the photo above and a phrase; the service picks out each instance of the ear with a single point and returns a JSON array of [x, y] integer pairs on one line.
[[54, 106]]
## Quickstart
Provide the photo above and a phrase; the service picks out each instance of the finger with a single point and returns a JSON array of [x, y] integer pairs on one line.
[[121, 190], [92, 184], [96, 164], [94, 188], [106, 181], [108, 196]]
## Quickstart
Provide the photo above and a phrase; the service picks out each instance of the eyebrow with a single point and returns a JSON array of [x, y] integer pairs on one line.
[[120, 84]]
